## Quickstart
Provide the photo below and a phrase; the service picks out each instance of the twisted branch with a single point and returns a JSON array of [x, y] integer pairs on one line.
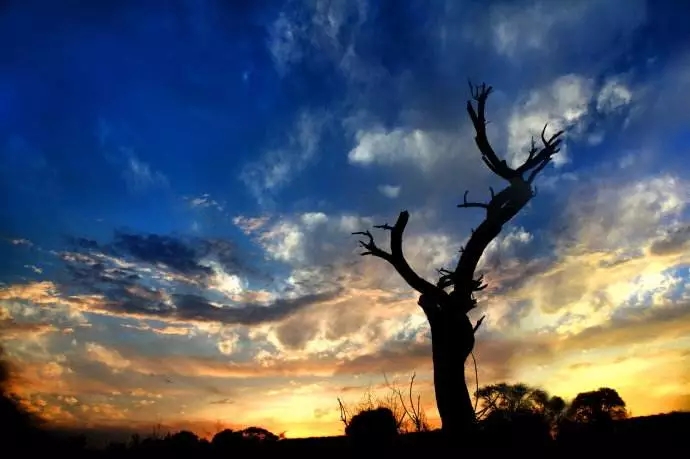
[[397, 259]]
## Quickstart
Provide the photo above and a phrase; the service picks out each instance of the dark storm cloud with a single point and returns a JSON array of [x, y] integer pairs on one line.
[[675, 241], [180, 255], [196, 307], [82, 242], [175, 289], [168, 250]]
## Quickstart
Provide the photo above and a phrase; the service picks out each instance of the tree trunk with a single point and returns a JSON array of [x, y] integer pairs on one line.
[[452, 338]]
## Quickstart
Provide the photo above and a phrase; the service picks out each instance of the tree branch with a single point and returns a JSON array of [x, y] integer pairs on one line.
[[465, 204], [501, 208], [478, 324], [371, 247], [395, 257], [540, 159], [478, 117]]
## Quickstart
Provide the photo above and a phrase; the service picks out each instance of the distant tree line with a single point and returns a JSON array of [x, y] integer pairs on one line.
[[507, 415], [501, 409]]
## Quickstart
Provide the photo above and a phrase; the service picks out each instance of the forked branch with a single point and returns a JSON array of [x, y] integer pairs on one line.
[[537, 158], [499, 167], [396, 258]]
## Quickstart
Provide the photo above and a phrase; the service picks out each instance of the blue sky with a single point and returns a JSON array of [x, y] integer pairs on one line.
[[180, 180]]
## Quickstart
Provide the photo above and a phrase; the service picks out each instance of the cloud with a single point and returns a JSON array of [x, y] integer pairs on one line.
[[12, 330], [562, 105], [203, 202], [277, 167], [389, 147], [284, 43], [166, 250], [314, 30], [606, 258], [676, 240], [614, 95], [140, 177], [107, 357], [617, 215], [192, 307], [534, 27], [390, 191], [145, 303], [250, 225]]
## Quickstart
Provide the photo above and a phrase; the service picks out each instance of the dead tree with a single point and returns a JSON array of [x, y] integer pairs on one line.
[[447, 302]]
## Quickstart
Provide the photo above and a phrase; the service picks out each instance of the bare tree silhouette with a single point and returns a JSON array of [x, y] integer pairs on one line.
[[447, 311]]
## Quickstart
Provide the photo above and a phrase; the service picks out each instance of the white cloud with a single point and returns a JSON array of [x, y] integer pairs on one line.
[[323, 253], [313, 219], [563, 104], [228, 344], [504, 248], [627, 215], [228, 284], [284, 241], [109, 357], [390, 191], [613, 95], [400, 146], [204, 201]]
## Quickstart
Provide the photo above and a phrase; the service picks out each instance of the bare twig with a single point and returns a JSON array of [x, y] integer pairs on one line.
[[414, 412], [467, 205], [478, 324], [344, 415], [539, 159]]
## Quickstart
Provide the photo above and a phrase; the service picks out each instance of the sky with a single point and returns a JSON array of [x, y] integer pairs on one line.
[[180, 180]]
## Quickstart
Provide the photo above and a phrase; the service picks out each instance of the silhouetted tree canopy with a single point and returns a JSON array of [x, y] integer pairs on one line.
[[507, 400], [601, 405], [258, 434]]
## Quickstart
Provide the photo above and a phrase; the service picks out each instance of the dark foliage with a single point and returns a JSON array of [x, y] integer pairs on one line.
[[600, 406], [18, 426], [376, 426]]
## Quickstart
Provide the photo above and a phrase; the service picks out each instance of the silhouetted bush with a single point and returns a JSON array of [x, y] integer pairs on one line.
[[374, 427]]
